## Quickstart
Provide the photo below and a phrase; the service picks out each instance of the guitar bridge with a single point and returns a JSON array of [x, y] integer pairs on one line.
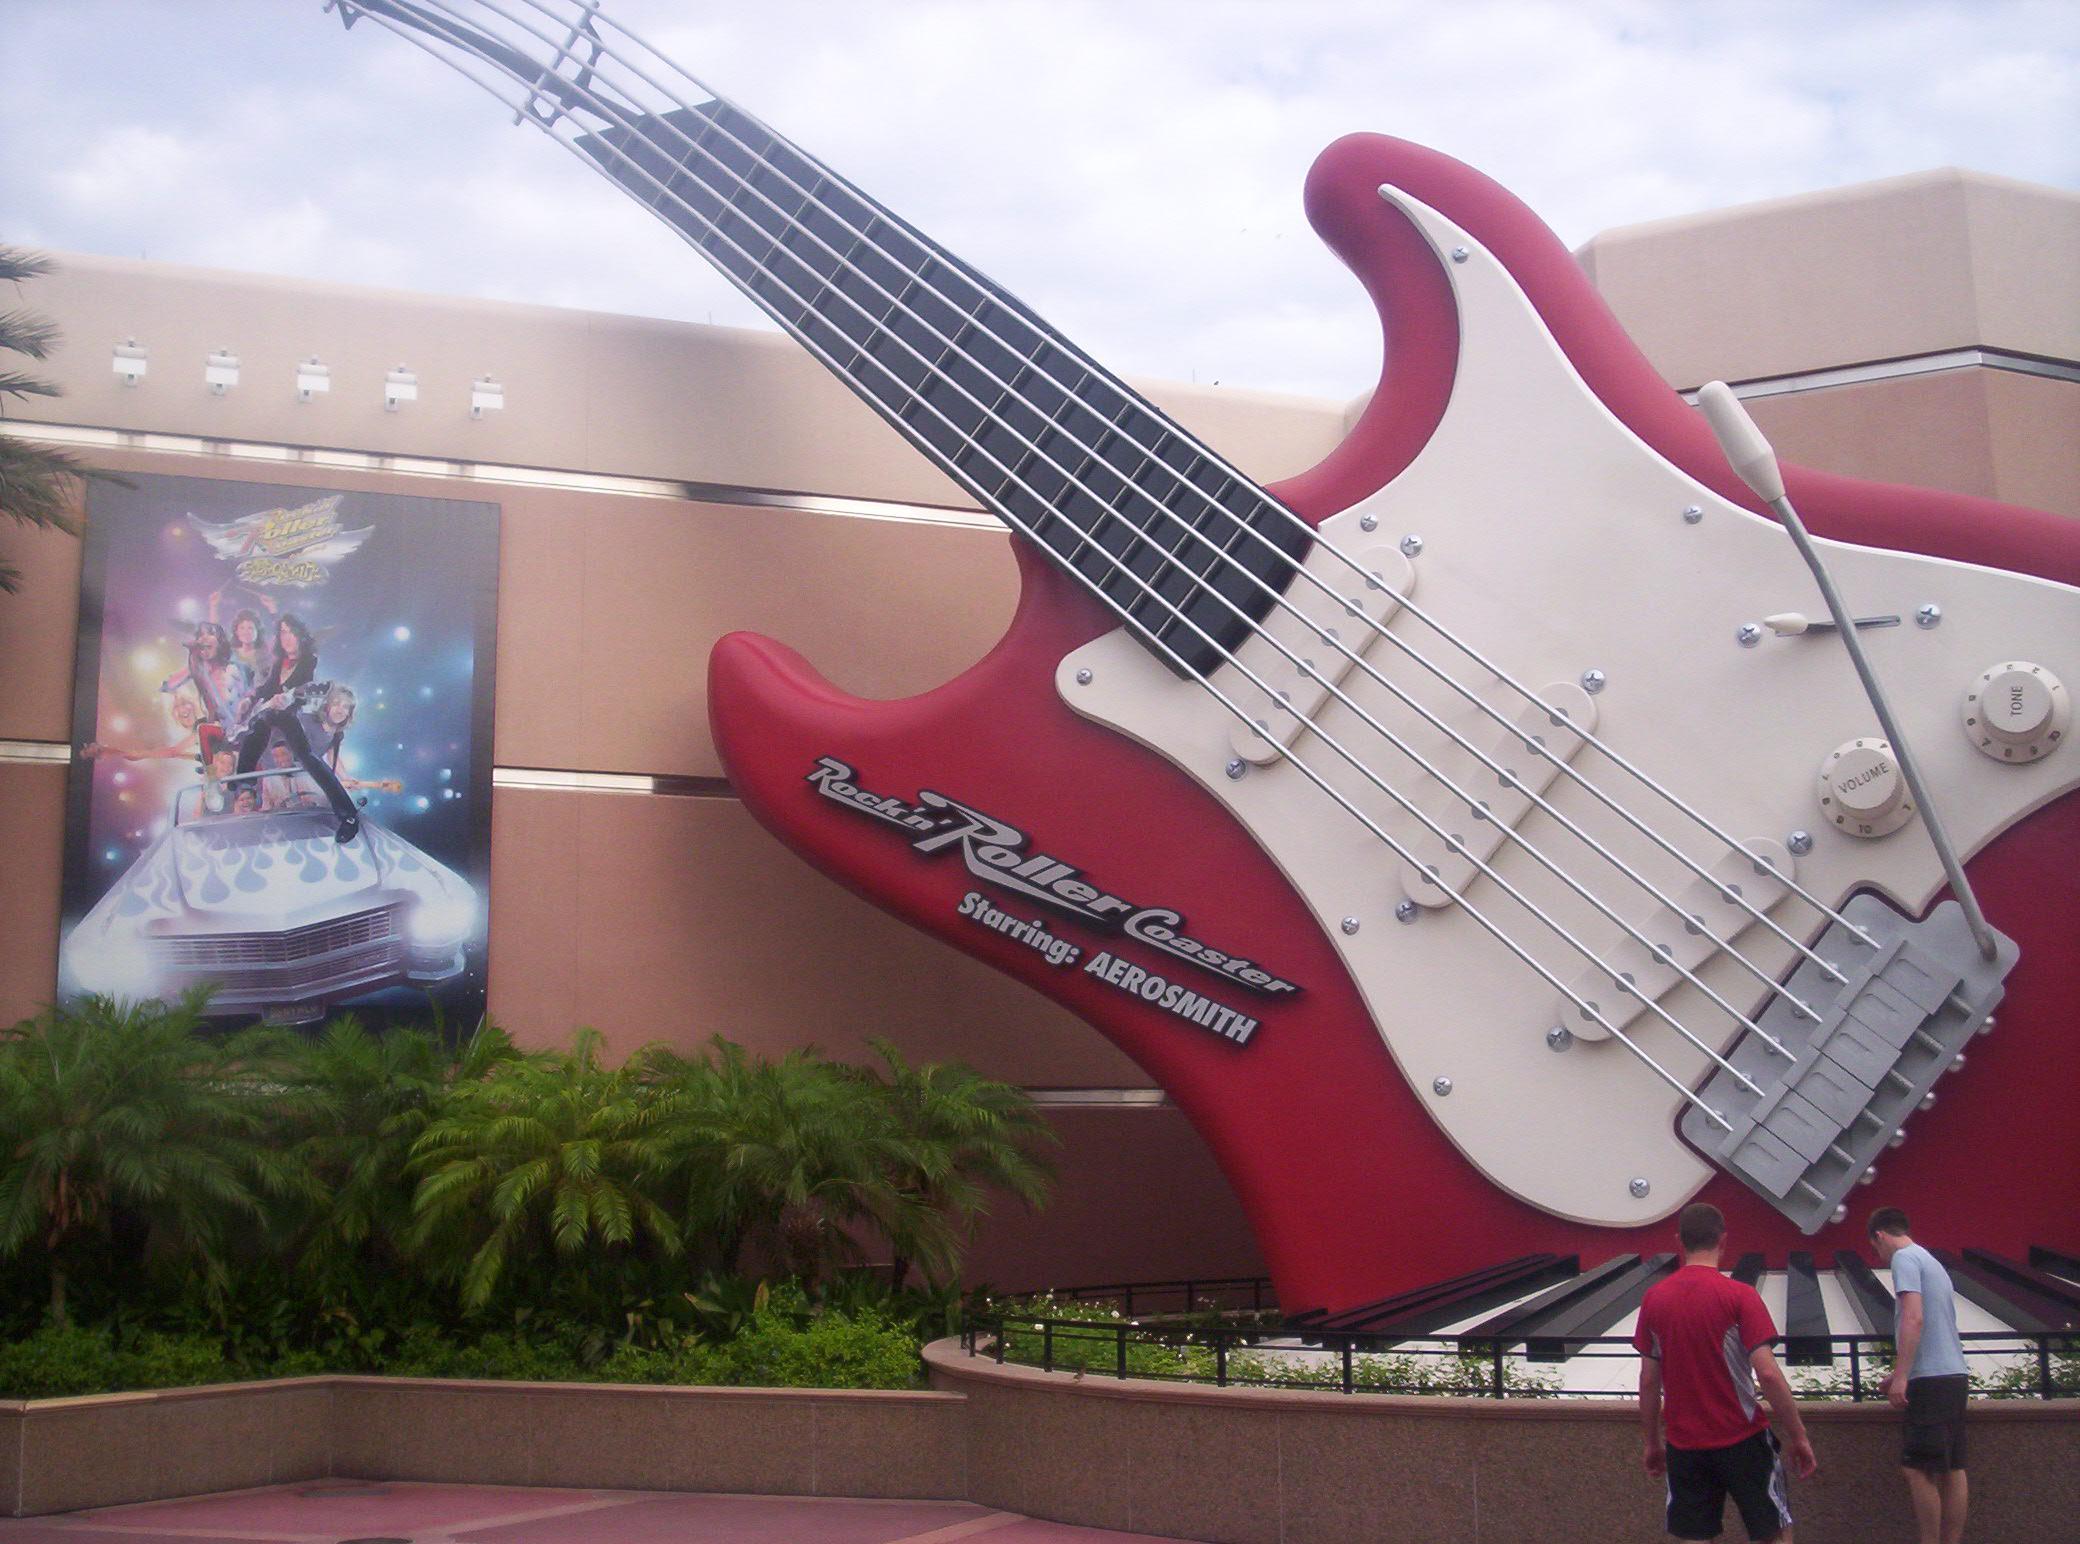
[[1884, 1037]]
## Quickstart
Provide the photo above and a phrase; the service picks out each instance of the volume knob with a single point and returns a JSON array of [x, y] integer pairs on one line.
[[1861, 790], [2017, 712]]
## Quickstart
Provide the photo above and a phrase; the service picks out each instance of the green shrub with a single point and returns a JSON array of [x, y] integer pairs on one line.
[[832, 1351], [688, 1363], [303, 1364], [173, 1361], [56, 1361], [61, 1360], [423, 1352]]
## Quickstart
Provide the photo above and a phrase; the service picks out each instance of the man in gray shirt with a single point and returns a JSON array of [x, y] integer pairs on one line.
[[1928, 1378]]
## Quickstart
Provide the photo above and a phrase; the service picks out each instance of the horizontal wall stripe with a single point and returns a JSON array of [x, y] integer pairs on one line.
[[92, 437], [550, 779], [1909, 365], [35, 752]]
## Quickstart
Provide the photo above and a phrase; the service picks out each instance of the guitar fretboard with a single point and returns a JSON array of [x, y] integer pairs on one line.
[[1061, 449]]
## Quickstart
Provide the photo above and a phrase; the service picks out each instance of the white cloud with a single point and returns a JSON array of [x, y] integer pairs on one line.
[[1133, 170]]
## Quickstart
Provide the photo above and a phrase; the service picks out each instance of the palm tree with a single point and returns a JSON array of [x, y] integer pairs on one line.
[[113, 1112], [963, 1136], [789, 1157], [541, 1157], [37, 483], [361, 1101]]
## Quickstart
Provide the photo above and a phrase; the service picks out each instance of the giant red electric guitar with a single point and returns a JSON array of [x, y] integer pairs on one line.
[[1442, 828]]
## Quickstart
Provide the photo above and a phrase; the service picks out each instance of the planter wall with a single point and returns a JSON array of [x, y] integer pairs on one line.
[[59, 1455], [1270, 1466], [1235, 1466]]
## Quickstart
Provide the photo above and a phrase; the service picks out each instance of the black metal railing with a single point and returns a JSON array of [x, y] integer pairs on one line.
[[1186, 1295], [1195, 1342]]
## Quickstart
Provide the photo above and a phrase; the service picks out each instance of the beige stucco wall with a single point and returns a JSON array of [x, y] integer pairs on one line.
[[1908, 265], [1881, 274]]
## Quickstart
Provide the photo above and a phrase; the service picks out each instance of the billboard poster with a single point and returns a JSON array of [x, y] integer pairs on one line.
[[281, 773]]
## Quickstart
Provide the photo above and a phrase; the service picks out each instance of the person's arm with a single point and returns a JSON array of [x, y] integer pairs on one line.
[[1655, 1454], [1783, 1408], [178, 751], [1905, 1348]]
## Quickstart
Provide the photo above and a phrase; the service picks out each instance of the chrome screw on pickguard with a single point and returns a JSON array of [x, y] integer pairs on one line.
[[1558, 1038], [1368, 522], [1839, 1216], [1594, 681], [1440, 1086], [1411, 545], [1867, 1177], [1350, 925], [1897, 1138], [1692, 513], [1928, 1100], [1799, 843], [1956, 1064], [1083, 678], [1639, 1187], [1235, 768], [1407, 911], [1929, 615], [1748, 635], [1460, 254], [1986, 1028]]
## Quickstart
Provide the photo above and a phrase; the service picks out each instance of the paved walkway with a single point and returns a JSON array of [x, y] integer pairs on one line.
[[354, 1512]]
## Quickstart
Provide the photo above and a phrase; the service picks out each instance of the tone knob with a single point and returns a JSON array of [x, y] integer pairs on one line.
[[2017, 712], [1861, 790]]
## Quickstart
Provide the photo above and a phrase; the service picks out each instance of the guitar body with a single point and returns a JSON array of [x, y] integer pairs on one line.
[[1353, 1187]]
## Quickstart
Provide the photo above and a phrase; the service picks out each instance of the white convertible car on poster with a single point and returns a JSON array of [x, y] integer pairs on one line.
[[267, 908]]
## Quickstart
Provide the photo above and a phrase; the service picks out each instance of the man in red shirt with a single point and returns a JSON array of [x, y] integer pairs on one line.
[[1704, 1345]]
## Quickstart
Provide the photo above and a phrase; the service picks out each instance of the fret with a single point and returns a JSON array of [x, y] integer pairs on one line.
[[1091, 472]]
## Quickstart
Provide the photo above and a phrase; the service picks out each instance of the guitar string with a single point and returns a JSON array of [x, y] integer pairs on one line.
[[1213, 458], [1589, 1010], [1692, 921]]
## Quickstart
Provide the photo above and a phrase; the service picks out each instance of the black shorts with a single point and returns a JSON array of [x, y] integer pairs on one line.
[[1935, 1423], [1700, 1480]]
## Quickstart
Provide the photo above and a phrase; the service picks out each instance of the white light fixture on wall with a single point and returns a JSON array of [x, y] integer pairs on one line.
[[129, 361], [312, 378], [220, 372], [399, 386], [485, 396]]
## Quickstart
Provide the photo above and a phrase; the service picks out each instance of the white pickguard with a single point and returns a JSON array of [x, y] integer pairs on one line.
[[1554, 543]]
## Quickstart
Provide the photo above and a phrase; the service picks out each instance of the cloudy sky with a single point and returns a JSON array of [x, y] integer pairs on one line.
[[1131, 168]]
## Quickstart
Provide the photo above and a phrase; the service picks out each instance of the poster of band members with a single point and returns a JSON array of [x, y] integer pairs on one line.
[[281, 775]]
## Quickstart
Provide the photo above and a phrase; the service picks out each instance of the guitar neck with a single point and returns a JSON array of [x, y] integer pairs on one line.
[[1065, 452], [1187, 551]]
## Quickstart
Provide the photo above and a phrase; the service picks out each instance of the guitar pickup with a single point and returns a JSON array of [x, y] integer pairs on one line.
[[1713, 909], [1309, 625], [1884, 1038], [1554, 726]]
